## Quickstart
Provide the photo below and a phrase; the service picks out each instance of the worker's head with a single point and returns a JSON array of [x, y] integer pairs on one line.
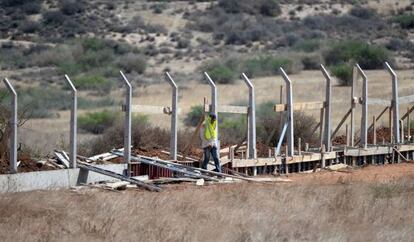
[[212, 117]]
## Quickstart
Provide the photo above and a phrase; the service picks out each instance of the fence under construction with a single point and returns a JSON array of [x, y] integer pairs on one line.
[[285, 157]]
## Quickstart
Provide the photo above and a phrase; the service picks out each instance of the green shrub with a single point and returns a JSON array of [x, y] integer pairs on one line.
[[263, 7], [193, 117], [132, 62], [233, 129], [406, 21], [32, 7], [54, 17], [312, 62], [363, 13], [70, 7], [228, 71], [93, 82], [343, 72], [29, 26], [265, 66], [367, 56], [307, 45], [222, 74], [97, 122]]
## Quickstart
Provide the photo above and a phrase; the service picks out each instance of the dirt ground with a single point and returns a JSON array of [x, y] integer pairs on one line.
[[369, 204], [368, 174]]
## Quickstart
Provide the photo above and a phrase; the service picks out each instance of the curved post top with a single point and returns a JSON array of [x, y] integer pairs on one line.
[[127, 83], [247, 81], [361, 72], [390, 70], [210, 81], [170, 80], [285, 76], [9, 86], [325, 73], [70, 83]]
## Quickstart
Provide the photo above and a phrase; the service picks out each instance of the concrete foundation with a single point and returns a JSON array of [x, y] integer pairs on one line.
[[46, 180]]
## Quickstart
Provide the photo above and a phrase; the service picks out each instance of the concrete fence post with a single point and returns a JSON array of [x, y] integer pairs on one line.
[[214, 104], [73, 124], [353, 104], [13, 127], [394, 104], [289, 100], [328, 111], [127, 124], [364, 120], [252, 119], [174, 117]]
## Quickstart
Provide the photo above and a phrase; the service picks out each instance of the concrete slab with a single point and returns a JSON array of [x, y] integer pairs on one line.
[[45, 180]]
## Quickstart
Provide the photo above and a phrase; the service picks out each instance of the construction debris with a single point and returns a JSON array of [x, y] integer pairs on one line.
[[338, 167], [121, 177]]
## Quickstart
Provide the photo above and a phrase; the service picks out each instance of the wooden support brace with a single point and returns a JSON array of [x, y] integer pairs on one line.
[[299, 106]]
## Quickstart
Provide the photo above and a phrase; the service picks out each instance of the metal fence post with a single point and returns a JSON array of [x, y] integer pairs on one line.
[[252, 118], [174, 117], [214, 104], [13, 127], [395, 104], [73, 124], [364, 120], [127, 125], [328, 112], [289, 100]]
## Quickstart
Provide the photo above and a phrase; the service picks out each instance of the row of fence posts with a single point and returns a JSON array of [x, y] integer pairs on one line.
[[251, 141]]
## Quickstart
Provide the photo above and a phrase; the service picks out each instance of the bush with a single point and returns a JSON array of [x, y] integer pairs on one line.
[[265, 66], [93, 82], [397, 44], [132, 62], [232, 128], [367, 56], [12, 3], [263, 7], [54, 17], [183, 43], [406, 21], [222, 74], [32, 7], [97, 122], [193, 117], [70, 7], [344, 73], [311, 62], [29, 26], [361, 12], [307, 45]]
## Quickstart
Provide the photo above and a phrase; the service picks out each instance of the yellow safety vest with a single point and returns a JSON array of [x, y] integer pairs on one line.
[[210, 129]]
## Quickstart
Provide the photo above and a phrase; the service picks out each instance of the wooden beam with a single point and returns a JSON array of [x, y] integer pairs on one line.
[[229, 109], [378, 102], [408, 112], [341, 123], [150, 109], [299, 106], [407, 99], [376, 119]]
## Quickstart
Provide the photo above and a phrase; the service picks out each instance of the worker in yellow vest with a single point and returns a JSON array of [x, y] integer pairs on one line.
[[208, 137]]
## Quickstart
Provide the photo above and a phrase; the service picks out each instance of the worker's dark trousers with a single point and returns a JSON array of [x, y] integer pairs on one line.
[[213, 151]]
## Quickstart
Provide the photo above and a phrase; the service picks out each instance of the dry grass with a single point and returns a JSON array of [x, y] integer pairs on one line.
[[237, 212]]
